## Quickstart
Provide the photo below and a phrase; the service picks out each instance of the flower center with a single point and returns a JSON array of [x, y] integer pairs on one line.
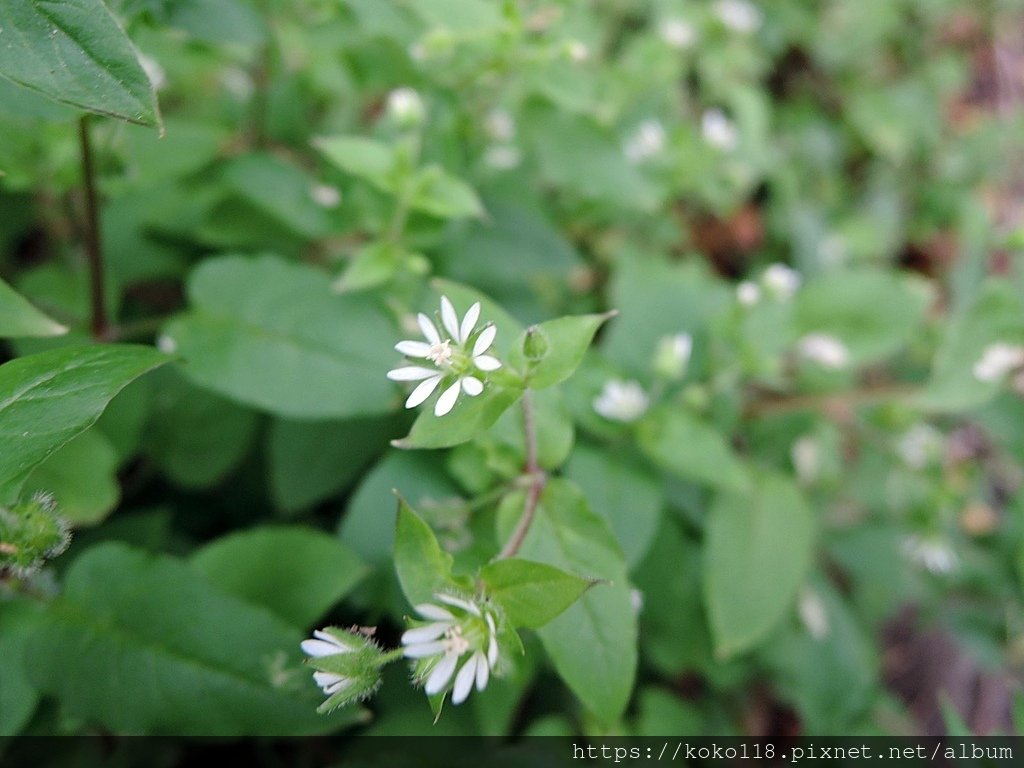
[[440, 353], [454, 641]]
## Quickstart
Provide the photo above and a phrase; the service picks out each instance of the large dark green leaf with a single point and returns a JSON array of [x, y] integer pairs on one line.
[[74, 51], [48, 398]]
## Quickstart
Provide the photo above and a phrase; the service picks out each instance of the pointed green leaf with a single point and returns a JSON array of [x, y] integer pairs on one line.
[[691, 449], [48, 398], [143, 644], [275, 336], [532, 594], [566, 340], [757, 552], [19, 318], [74, 52], [592, 643], [82, 477], [297, 573], [470, 417], [368, 159], [423, 567]]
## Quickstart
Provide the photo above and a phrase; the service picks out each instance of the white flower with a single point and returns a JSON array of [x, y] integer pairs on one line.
[[166, 344], [673, 355], [455, 359], [645, 142], [500, 125], [748, 293], [806, 456], [921, 444], [327, 644], [932, 552], [464, 632], [813, 613], [718, 130], [781, 281], [621, 401], [997, 361], [347, 665], [738, 15], [577, 51], [825, 350], [325, 195], [406, 107], [503, 157], [677, 33]]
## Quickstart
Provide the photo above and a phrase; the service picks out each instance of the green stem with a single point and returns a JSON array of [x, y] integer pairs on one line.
[[536, 478], [389, 656], [98, 319]]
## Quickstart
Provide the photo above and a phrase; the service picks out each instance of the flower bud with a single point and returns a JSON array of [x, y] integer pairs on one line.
[[347, 665], [30, 533], [673, 356], [406, 108], [535, 344]]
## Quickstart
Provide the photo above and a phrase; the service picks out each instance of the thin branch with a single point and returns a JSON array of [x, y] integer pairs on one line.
[[535, 475], [831, 400], [94, 253]]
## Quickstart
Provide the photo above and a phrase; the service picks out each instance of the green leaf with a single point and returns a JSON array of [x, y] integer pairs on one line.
[[74, 52], [48, 398], [194, 436], [19, 318], [873, 313], [623, 493], [757, 552], [368, 159], [18, 697], [470, 417], [423, 567], [143, 644], [273, 335], [532, 594], [996, 315], [566, 340], [312, 460], [593, 643], [296, 573], [280, 190], [82, 476], [691, 449], [441, 194]]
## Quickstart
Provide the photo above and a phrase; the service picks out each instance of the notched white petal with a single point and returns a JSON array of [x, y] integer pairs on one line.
[[429, 329], [318, 648], [469, 322], [450, 319], [423, 650], [411, 373], [447, 400], [483, 671], [458, 602], [426, 633], [436, 612], [484, 340], [413, 348], [472, 386], [464, 680], [441, 675], [486, 363], [422, 392]]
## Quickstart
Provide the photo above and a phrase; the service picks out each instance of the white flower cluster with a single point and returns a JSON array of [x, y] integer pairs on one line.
[[999, 360], [932, 552], [461, 631], [457, 358], [647, 141]]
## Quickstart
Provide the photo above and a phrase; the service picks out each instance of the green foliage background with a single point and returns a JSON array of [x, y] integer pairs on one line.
[[218, 430]]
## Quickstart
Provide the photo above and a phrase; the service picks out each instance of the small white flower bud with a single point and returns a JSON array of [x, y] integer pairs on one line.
[[718, 130], [997, 361], [647, 141], [406, 107], [806, 457], [673, 356], [780, 281], [827, 351], [623, 401], [677, 33], [738, 15], [748, 293], [325, 195]]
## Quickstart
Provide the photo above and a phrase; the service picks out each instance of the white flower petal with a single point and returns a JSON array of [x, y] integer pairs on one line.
[[325, 679], [411, 373], [413, 348], [471, 386], [464, 680], [335, 687], [425, 633], [492, 651], [450, 319], [441, 675], [422, 650], [458, 602], [486, 363], [483, 671], [447, 400], [318, 648], [436, 612], [422, 392], [429, 329], [484, 340], [469, 322]]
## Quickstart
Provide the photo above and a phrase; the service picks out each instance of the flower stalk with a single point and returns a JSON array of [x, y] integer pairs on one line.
[[536, 478], [98, 323]]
